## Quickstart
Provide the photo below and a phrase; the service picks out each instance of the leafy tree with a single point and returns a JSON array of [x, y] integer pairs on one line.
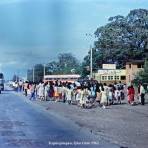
[[51, 67], [65, 64], [121, 39], [142, 76]]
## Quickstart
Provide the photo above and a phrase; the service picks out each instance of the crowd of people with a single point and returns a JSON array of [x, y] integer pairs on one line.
[[84, 94]]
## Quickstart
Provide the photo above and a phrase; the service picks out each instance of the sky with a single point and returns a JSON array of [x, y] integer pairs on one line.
[[36, 31]]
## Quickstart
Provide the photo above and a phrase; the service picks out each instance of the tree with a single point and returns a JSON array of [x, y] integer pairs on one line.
[[124, 37], [65, 64], [121, 39], [142, 76], [51, 68]]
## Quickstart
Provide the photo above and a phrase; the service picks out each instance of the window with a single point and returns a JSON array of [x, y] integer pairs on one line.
[[109, 78], [116, 77], [104, 77], [140, 66], [123, 77]]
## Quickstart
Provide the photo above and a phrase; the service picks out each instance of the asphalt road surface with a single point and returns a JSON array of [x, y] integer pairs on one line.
[[23, 124]]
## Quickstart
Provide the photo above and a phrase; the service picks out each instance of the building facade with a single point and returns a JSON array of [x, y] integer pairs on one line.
[[132, 68], [109, 74]]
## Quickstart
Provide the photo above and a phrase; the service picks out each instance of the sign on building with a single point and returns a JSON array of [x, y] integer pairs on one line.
[[109, 66], [112, 72]]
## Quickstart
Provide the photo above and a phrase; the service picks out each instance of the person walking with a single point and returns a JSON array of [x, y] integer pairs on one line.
[[98, 93], [110, 96], [26, 86], [118, 95], [56, 94], [20, 83], [103, 97], [81, 93], [16, 87], [51, 91], [41, 91], [68, 94], [32, 91], [131, 94], [106, 89], [142, 94], [47, 86], [78, 95]]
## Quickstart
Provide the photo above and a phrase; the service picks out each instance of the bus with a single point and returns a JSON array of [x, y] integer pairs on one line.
[[63, 78], [2, 81]]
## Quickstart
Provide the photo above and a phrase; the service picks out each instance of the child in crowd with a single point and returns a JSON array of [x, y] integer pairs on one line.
[[110, 96]]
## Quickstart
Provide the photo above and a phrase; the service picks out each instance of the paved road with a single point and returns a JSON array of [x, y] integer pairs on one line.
[[123, 124], [23, 124]]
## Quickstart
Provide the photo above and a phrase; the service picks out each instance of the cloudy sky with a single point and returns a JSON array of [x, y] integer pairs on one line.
[[36, 31]]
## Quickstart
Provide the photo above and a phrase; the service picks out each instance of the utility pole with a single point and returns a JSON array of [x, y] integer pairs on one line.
[[33, 74], [44, 71], [90, 62], [91, 50], [18, 76]]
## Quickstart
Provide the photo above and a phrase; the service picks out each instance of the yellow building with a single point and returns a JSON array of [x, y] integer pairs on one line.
[[132, 68], [110, 76], [107, 75]]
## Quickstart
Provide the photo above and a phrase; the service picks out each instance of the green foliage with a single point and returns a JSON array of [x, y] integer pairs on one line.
[[142, 76], [65, 64], [121, 39]]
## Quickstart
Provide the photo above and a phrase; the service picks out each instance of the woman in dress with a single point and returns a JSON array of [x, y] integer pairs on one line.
[[131, 94], [110, 96], [78, 94], [103, 98], [56, 95], [41, 91], [68, 94], [47, 86]]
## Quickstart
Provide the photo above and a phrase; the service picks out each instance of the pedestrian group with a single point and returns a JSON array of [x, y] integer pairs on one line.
[[84, 94]]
